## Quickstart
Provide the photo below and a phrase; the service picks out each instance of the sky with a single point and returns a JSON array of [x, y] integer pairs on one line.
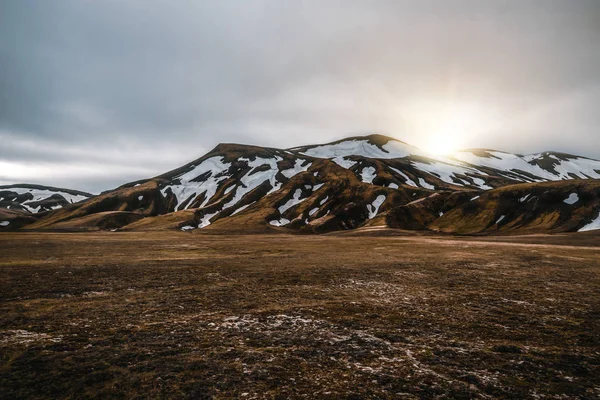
[[94, 94]]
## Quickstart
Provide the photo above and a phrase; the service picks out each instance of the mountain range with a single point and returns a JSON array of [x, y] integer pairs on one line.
[[359, 182]]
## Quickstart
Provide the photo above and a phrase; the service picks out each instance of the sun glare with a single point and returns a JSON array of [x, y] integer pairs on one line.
[[447, 129], [443, 143]]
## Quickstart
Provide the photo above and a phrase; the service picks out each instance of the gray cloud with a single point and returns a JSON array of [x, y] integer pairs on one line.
[[148, 85]]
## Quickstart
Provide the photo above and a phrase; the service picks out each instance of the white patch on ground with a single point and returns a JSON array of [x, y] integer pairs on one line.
[[4, 223], [524, 198], [187, 228], [313, 211], [475, 198], [425, 184], [501, 219], [229, 189], [280, 222], [572, 199], [480, 183], [448, 173], [407, 180], [291, 202], [140, 198], [205, 221], [342, 162], [288, 173], [368, 174], [209, 187], [393, 186], [324, 200], [317, 187], [592, 226], [441, 214], [373, 208], [242, 208], [251, 181], [361, 147]]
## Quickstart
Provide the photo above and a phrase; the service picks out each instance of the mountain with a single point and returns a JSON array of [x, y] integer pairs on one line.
[[547, 166], [548, 207], [359, 181], [19, 203], [38, 198]]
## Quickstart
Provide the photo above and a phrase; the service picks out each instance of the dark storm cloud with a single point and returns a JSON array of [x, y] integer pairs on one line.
[[148, 85]]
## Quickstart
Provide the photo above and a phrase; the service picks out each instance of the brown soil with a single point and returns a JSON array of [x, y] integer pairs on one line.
[[179, 315]]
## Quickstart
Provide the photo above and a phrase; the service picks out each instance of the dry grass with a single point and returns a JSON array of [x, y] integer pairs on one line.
[[176, 315]]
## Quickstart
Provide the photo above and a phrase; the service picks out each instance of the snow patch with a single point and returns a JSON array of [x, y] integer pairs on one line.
[[362, 147], [373, 208], [288, 173], [251, 181], [407, 180], [448, 173], [291, 202], [280, 222], [501, 219], [4, 223], [592, 226], [342, 162], [425, 184], [205, 221], [368, 174], [187, 188], [242, 208], [572, 199]]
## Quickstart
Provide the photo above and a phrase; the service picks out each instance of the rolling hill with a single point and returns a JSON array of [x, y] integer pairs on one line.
[[359, 181]]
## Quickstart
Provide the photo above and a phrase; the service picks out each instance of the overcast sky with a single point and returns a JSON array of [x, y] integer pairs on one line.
[[97, 93]]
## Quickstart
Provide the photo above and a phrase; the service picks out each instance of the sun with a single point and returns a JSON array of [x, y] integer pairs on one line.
[[443, 143], [442, 127], [450, 130]]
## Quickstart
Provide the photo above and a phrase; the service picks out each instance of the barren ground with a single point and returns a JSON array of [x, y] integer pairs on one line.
[[179, 315]]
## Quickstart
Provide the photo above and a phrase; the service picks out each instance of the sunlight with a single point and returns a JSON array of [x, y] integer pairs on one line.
[[443, 143], [453, 127], [443, 128]]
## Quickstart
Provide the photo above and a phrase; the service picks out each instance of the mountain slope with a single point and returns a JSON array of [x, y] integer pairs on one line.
[[548, 207], [548, 166], [359, 181], [38, 198]]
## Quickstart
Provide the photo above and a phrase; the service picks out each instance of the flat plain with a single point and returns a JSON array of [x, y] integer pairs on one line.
[[372, 316]]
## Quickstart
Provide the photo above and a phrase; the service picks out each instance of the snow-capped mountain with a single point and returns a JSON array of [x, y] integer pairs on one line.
[[345, 184], [540, 167], [37, 198]]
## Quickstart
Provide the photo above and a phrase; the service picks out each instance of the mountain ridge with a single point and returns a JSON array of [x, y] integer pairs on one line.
[[340, 185]]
